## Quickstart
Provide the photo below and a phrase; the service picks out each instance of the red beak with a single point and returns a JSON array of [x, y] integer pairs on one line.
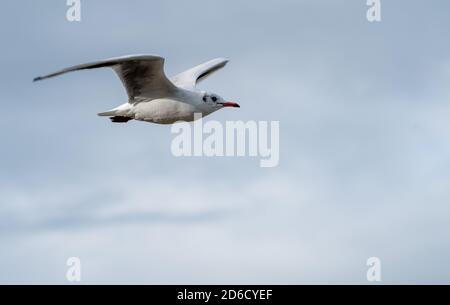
[[230, 104]]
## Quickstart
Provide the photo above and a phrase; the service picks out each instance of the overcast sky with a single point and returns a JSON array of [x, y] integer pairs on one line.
[[364, 167]]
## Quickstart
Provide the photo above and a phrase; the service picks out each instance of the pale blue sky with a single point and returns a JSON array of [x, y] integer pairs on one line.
[[364, 157]]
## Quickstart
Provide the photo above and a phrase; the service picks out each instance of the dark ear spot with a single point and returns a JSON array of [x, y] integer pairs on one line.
[[204, 99]]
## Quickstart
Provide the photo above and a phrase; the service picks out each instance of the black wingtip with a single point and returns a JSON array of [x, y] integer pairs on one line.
[[37, 78]]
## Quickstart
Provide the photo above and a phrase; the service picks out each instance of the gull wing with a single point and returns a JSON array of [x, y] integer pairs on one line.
[[190, 78], [142, 75]]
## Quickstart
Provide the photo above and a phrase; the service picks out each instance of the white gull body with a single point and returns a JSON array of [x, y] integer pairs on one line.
[[152, 97]]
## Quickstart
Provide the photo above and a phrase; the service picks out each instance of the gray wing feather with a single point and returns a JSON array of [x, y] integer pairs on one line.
[[142, 76], [191, 77]]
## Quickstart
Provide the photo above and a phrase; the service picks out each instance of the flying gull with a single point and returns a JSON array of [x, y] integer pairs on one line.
[[152, 97]]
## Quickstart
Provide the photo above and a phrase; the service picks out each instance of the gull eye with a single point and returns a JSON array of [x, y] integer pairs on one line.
[[214, 99]]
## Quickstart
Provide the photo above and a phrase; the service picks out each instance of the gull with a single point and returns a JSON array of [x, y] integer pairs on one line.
[[152, 97]]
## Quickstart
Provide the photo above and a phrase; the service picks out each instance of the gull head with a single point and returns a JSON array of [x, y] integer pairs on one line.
[[216, 102]]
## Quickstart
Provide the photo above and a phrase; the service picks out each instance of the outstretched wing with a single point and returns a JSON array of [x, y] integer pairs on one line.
[[142, 75], [190, 78]]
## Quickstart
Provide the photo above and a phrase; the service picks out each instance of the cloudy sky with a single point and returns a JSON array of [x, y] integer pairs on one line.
[[364, 167]]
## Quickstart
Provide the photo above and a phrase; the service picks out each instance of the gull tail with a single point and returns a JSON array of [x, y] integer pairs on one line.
[[118, 114], [108, 113]]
